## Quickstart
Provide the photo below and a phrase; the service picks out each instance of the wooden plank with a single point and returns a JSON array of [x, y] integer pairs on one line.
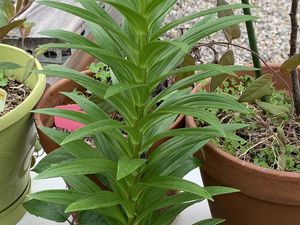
[[46, 18]]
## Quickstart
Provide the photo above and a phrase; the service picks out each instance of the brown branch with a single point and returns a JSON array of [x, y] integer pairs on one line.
[[294, 25], [293, 50]]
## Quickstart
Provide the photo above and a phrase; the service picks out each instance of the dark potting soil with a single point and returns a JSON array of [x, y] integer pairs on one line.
[[265, 145], [271, 141], [16, 93]]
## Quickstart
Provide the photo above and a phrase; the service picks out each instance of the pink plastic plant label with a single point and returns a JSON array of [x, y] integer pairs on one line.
[[67, 124]]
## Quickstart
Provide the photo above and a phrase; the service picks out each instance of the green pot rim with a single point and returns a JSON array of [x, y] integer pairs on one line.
[[28, 104]]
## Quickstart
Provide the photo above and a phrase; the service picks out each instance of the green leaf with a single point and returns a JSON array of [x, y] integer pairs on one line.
[[120, 88], [9, 8], [257, 89], [79, 167], [169, 214], [9, 66], [187, 61], [277, 110], [213, 70], [81, 183], [201, 115], [3, 18], [205, 132], [91, 218], [69, 37], [175, 183], [290, 64], [137, 20], [196, 15], [231, 32], [88, 15], [46, 210], [210, 222], [98, 200], [59, 155], [94, 128], [281, 136], [123, 68], [87, 106], [61, 197], [175, 199], [219, 190], [197, 32], [78, 149], [176, 154], [127, 166], [226, 60], [4, 30], [64, 113]]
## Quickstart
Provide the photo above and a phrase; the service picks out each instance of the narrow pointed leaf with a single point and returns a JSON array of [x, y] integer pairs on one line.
[[46, 210], [127, 166], [210, 222], [94, 128], [79, 167], [188, 61], [226, 60], [257, 89], [175, 183], [234, 31], [120, 88], [290, 64], [99, 200], [277, 110], [9, 66], [7, 28], [62, 197]]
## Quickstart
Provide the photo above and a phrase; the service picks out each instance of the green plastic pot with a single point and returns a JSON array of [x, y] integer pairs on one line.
[[17, 138]]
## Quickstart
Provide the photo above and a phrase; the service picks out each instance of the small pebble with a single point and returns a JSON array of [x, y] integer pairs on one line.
[[272, 28]]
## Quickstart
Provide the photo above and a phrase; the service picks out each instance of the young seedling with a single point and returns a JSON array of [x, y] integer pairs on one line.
[[5, 67]]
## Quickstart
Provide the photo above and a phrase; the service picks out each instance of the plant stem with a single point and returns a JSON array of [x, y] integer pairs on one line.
[[293, 50], [252, 40]]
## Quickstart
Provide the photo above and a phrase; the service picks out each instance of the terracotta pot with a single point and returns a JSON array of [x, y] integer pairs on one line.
[[266, 197]]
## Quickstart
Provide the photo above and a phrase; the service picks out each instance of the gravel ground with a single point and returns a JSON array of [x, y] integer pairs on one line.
[[272, 28]]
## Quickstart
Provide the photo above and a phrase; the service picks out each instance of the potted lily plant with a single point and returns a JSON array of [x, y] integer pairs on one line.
[[264, 165], [117, 181], [20, 90]]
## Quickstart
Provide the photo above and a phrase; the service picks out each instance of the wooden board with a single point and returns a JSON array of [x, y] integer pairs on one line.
[[47, 18]]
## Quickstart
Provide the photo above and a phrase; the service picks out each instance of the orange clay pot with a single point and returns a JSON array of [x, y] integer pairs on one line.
[[266, 197]]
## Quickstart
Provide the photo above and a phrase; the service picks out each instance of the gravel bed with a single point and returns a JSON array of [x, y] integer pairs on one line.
[[272, 28]]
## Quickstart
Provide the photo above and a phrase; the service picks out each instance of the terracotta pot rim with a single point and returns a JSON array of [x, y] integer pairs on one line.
[[190, 121]]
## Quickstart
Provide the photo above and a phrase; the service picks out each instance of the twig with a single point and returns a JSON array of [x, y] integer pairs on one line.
[[249, 50], [253, 146], [293, 49]]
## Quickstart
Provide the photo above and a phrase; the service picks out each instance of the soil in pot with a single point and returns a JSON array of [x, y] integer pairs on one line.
[[272, 137], [267, 196], [17, 92]]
